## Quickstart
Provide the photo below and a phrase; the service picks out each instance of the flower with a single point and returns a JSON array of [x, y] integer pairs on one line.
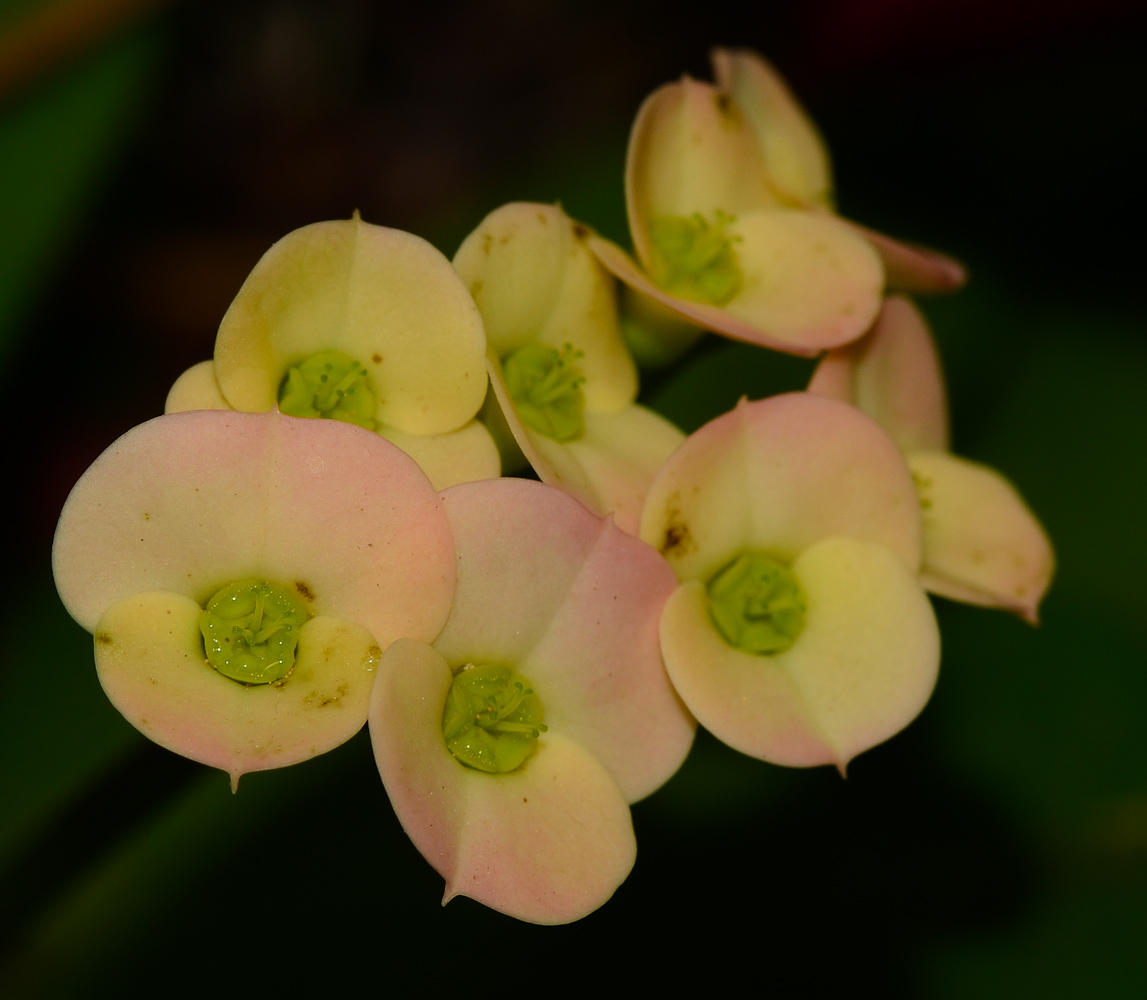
[[798, 170], [559, 370], [982, 544], [720, 247], [799, 633], [242, 573], [512, 745], [363, 324]]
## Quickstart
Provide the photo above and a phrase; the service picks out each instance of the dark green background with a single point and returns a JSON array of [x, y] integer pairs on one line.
[[997, 848]]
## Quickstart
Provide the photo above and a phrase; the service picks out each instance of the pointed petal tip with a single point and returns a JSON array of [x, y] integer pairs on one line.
[[842, 768], [235, 776]]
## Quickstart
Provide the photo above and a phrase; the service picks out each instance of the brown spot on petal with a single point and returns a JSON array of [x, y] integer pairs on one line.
[[580, 232], [305, 592], [104, 638], [376, 358], [677, 539]]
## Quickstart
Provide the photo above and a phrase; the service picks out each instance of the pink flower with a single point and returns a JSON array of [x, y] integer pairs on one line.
[[982, 544], [554, 623], [242, 573], [799, 633]]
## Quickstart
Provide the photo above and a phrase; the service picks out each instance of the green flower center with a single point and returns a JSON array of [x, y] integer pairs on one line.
[[329, 384], [492, 719], [694, 259], [757, 604], [250, 630], [545, 384]]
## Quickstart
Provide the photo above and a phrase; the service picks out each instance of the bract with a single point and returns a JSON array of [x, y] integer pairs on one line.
[[185, 504], [571, 603], [817, 492], [379, 300], [982, 545], [540, 289]]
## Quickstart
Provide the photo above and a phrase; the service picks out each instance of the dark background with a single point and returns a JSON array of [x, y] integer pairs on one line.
[[997, 848]]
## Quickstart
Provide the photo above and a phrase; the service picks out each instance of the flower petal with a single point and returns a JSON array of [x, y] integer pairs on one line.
[[385, 297], [809, 285], [778, 475], [534, 278], [809, 281], [860, 671], [190, 501], [893, 374], [792, 150], [548, 843], [461, 456], [520, 548], [196, 389], [149, 654], [910, 267], [982, 544], [690, 150]]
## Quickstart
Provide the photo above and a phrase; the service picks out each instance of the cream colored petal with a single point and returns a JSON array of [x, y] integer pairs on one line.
[[191, 501], [548, 843], [385, 297], [808, 280], [860, 671], [449, 459], [196, 389], [792, 150], [809, 284], [912, 268], [691, 150], [893, 374], [149, 655], [534, 278], [778, 475], [982, 544]]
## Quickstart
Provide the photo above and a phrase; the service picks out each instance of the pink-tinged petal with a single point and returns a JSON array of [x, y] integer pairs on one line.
[[196, 389], [548, 843], [893, 374], [191, 501], [461, 456], [520, 548], [809, 285], [386, 298], [690, 150], [778, 475], [534, 279], [792, 150], [598, 668], [910, 267], [149, 654], [861, 670], [982, 544], [610, 468]]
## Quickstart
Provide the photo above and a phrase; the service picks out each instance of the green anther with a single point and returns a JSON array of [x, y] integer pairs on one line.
[[694, 258], [329, 384], [250, 629], [545, 384], [757, 604], [492, 719]]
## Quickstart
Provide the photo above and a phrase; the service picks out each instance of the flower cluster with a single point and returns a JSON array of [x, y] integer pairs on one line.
[[317, 533]]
